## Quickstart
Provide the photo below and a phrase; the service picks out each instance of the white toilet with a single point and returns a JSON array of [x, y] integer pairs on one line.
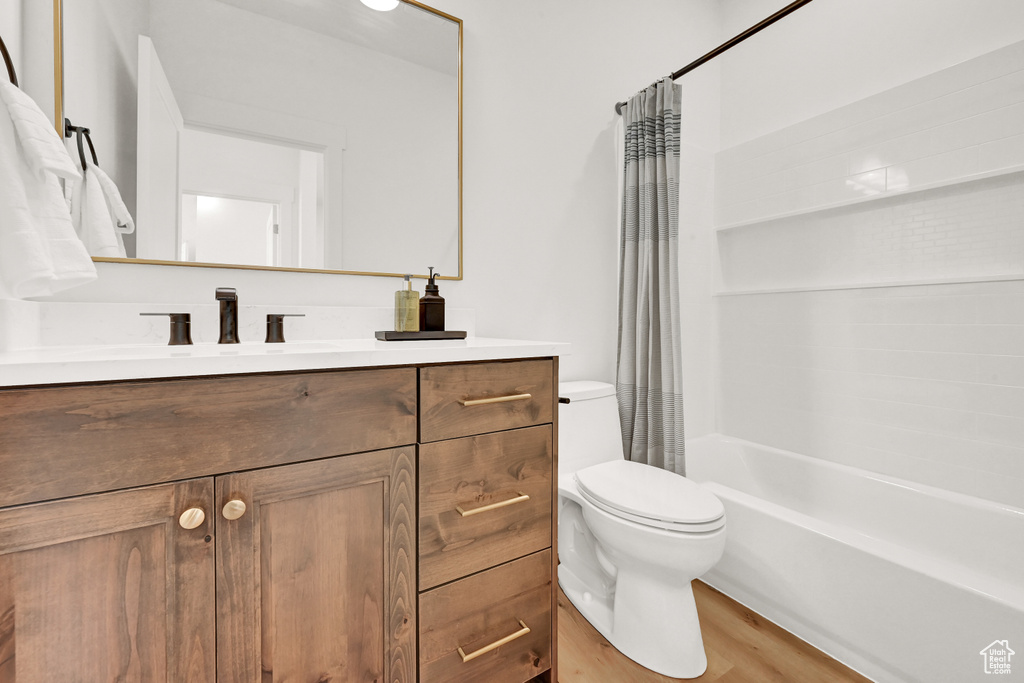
[[631, 537]]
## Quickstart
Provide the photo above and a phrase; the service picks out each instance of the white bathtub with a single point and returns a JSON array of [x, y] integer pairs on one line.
[[900, 581]]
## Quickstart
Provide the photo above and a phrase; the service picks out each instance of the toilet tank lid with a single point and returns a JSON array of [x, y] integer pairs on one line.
[[584, 390]]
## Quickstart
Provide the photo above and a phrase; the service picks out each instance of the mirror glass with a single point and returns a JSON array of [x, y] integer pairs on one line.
[[297, 134]]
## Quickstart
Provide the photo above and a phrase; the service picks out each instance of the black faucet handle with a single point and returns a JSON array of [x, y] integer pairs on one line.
[[275, 326], [227, 294], [181, 328]]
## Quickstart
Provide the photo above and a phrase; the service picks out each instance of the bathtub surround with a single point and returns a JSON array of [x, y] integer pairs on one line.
[[884, 329], [649, 380], [924, 383], [956, 124], [869, 326], [901, 589]]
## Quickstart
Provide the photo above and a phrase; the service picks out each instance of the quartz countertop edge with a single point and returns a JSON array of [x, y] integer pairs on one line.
[[76, 364]]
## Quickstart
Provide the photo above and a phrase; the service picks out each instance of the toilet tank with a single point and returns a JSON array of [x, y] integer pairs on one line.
[[588, 426]]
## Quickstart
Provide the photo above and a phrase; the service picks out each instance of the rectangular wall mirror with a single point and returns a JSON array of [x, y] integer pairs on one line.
[[313, 135]]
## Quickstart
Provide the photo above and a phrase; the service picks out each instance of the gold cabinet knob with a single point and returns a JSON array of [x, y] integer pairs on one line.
[[191, 518], [233, 509]]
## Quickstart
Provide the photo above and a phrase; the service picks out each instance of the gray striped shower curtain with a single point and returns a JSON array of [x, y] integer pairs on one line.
[[649, 381]]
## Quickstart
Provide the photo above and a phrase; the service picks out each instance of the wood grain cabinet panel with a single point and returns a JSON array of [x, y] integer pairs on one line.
[[67, 441], [451, 395], [482, 609], [483, 500], [316, 580], [487, 468], [302, 565], [108, 587]]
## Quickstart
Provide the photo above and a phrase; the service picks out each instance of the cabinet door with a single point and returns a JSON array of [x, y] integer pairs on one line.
[[109, 587], [316, 579]]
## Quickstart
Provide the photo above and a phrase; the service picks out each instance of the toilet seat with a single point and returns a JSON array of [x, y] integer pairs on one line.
[[650, 496]]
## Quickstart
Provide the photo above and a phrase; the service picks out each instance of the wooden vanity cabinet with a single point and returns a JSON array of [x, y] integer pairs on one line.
[[273, 527], [313, 579], [487, 491]]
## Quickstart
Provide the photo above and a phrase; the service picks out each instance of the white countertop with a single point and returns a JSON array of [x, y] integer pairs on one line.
[[62, 365]]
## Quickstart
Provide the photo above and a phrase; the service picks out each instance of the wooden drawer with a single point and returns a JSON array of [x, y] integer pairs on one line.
[[480, 610], [65, 441], [460, 479], [450, 395]]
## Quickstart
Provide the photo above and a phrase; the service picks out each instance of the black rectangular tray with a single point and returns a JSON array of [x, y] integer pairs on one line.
[[391, 335]]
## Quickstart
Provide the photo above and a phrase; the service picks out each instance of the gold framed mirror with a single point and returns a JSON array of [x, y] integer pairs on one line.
[[300, 135]]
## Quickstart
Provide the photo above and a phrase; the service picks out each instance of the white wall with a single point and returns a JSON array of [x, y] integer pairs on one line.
[[540, 82], [872, 272], [834, 52], [10, 29], [33, 49]]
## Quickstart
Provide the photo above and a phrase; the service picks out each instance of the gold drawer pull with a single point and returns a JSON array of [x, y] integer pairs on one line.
[[496, 644], [496, 399], [493, 506]]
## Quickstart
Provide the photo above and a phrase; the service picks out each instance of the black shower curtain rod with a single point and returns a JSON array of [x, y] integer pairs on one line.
[[732, 42]]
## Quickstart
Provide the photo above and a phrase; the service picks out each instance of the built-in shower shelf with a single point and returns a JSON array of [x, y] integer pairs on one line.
[[959, 124], [862, 199], [872, 285]]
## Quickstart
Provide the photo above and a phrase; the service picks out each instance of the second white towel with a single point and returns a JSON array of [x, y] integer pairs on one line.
[[99, 214]]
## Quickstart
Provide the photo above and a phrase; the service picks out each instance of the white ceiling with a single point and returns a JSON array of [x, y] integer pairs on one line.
[[407, 32]]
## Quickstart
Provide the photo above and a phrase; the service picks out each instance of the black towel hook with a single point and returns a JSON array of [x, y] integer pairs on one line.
[[80, 132], [11, 73]]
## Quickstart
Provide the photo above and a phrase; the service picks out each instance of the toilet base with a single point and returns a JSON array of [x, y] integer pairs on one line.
[[597, 608], [656, 628]]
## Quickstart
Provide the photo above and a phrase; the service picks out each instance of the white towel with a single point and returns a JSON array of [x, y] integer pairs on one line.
[[98, 213], [123, 222], [40, 253]]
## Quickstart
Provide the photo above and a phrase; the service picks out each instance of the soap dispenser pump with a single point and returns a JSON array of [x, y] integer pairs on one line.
[[432, 306]]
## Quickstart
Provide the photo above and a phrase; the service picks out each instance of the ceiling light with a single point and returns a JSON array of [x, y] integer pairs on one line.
[[381, 5]]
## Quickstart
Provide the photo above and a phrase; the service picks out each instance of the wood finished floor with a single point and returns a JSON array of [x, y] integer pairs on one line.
[[742, 647]]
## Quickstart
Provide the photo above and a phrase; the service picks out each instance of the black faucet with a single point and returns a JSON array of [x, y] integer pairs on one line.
[[228, 299]]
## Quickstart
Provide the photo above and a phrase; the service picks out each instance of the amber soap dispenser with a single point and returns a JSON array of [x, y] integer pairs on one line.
[[407, 317], [432, 306]]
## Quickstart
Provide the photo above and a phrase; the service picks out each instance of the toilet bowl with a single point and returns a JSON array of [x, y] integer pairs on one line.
[[631, 537]]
